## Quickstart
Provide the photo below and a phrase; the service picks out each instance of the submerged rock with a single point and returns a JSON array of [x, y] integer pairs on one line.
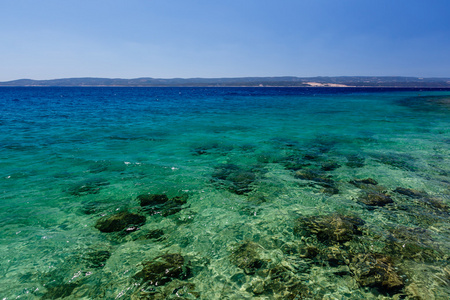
[[427, 103], [96, 259], [369, 185], [435, 203], [223, 171], [295, 162], [375, 199], [257, 199], [152, 199], [311, 156], [161, 204], [245, 255], [376, 270], [363, 182], [412, 243], [330, 166], [253, 206], [410, 192], [319, 178], [324, 144], [175, 289], [88, 186], [313, 175], [336, 256], [309, 252], [329, 190], [212, 148], [205, 149], [155, 234], [423, 198], [90, 208], [164, 269], [422, 215], [281, 283], [174, 205], [283, 142], [119, 222], [59, 291], [330, 228], [234, 178], [355, 161], [400, 161]]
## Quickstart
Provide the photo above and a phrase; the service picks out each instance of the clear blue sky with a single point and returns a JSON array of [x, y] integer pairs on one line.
[[45, 39]]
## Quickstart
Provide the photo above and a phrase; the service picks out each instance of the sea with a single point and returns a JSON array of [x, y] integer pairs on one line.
[[224, 193]]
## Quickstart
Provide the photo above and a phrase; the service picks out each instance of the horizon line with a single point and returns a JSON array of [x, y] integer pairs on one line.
[[235, 77]]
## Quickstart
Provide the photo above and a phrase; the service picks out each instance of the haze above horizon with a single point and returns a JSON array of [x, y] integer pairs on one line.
[[185, 39]]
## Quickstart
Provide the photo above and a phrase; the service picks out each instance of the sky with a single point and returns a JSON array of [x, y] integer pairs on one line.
[[49, 39]]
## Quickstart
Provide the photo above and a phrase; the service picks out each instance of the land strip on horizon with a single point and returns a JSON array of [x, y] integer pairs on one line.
[[285, 81]]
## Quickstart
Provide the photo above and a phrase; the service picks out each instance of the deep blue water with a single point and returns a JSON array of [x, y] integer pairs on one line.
[[270, 193]]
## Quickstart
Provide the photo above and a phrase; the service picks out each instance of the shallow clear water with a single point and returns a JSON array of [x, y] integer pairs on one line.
[[262, 172]]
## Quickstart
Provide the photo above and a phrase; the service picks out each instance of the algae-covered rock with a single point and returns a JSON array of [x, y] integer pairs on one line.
[[372, 193], [175, 289], [245, 255], [309, 251], [174, 205], [280, 283], [376, 270], [234, 178], [330, 228], [319, 178], [375, 199], [330, 166], [119, 222], [423, 198], [410, 192], [418, 292], [329, 190], [152, 199], [422, 215], [336, 256], [362, 183], [164, 269], [313, 175], [161, 204], [435, 203], [59, 291], [412, 243]]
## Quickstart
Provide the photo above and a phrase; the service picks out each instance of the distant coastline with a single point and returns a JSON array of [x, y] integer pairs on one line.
[[286, 81]]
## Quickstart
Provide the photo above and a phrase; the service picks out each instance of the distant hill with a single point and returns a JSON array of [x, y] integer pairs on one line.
[[286, 81]]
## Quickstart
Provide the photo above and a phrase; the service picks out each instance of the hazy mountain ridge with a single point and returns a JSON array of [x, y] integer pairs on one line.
[[285, 81]]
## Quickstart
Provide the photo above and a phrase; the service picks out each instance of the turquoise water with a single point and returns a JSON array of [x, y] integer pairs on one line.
[[270, 193]]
